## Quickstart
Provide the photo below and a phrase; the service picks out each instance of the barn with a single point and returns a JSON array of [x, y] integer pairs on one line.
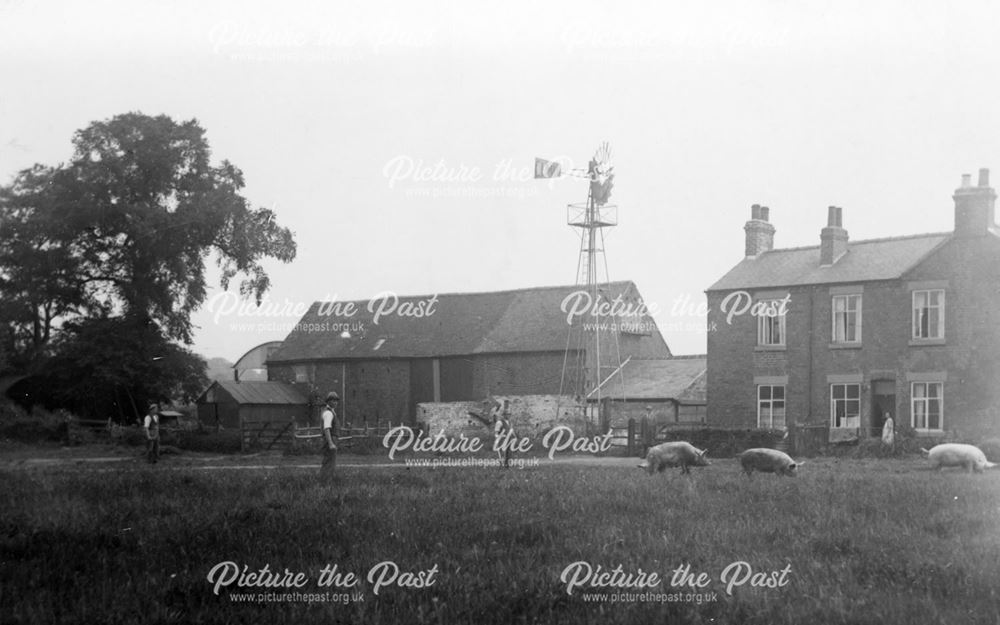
[[265, 413], [451, 348]]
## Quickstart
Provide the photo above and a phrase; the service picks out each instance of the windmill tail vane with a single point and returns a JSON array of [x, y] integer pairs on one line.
[[602, 174], [599, 171]]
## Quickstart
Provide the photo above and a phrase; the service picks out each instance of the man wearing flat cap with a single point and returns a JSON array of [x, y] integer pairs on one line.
[[329, 416]]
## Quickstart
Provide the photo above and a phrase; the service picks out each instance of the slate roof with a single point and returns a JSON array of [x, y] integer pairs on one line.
[[524, 320], [681, 378], [864, 261], [253, 393]]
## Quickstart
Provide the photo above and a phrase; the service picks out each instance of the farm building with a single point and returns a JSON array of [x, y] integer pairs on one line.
[[252, 366], [448, 348], [663, 391], [264, 412], [837, 338]]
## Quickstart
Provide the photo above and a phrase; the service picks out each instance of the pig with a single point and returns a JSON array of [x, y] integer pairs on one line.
[[674, 454], [767, 461], [969, 457]]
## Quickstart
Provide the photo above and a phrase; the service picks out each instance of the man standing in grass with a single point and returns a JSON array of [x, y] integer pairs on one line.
[[152, 428], [329, 433]]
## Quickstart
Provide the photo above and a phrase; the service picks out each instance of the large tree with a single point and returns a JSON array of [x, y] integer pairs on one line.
[[124, 230], [128, 223]]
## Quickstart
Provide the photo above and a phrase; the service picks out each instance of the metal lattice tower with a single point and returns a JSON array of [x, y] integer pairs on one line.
[[583, 368]]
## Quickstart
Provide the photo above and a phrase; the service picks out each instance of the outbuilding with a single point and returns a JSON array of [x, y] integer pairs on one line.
[[265, 413]]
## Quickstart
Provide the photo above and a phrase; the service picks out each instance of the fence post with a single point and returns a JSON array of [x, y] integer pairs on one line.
[[647, 436], [630, 449]]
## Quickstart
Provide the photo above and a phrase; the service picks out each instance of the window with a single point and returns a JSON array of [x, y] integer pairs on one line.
[[928, 314], [771, 407], [847, 319], [771, 329], [926, 402], [845, 406]]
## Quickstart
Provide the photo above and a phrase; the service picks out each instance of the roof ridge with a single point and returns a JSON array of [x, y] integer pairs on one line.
[[505, 291], [864, 241]]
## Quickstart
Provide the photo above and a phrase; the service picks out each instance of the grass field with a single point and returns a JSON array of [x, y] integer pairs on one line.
[[874, 541]]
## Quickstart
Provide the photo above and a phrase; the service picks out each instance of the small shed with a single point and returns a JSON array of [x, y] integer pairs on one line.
[[665, 391], [264, 412]]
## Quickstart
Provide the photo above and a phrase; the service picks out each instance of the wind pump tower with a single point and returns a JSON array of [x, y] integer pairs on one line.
[[592, 349]]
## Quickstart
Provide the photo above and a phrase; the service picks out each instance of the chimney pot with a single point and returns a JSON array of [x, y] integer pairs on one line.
[[833, 238], [759, 233], [975, 206]]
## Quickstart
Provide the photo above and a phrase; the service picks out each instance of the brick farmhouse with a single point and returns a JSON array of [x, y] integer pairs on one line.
[[842, 335]]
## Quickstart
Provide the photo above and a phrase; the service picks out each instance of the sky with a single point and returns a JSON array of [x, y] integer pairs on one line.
[[397, 140]]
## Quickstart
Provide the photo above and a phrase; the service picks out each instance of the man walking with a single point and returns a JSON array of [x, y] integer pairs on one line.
[[329, 433], [151, 426]]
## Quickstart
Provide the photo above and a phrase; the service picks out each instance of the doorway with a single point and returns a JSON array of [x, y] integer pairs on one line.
[[883, 404]]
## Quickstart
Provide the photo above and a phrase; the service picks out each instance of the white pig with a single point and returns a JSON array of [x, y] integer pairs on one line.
[[969, 457], [767, 461], [674, 454]]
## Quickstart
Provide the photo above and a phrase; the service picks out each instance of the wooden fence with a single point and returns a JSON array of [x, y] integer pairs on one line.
[[264, 435], [346, 436]]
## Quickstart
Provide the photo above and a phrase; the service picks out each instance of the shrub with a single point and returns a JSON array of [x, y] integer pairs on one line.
[[38, 427]]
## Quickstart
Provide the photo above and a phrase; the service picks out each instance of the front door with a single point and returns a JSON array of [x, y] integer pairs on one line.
[[883, 404]]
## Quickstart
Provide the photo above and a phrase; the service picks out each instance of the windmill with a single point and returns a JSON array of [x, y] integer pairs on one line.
[[585, 368]]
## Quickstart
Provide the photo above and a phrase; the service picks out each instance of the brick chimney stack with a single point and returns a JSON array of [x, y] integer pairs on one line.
[[974, 206], [833, 238], [760, 233]]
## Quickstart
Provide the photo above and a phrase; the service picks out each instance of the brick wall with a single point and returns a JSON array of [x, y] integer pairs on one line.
[[370, 390], [531, 416], [730, 373], [971, 353], [516, 374], [380, 389]]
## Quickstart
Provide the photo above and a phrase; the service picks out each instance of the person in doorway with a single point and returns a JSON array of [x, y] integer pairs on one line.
[[329, 417], [151, 426], [888, 431]]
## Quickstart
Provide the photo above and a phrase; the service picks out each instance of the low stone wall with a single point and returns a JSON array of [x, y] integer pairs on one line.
[[530, 415]]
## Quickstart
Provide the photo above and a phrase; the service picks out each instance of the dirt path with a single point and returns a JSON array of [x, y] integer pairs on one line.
[[258, 462]]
